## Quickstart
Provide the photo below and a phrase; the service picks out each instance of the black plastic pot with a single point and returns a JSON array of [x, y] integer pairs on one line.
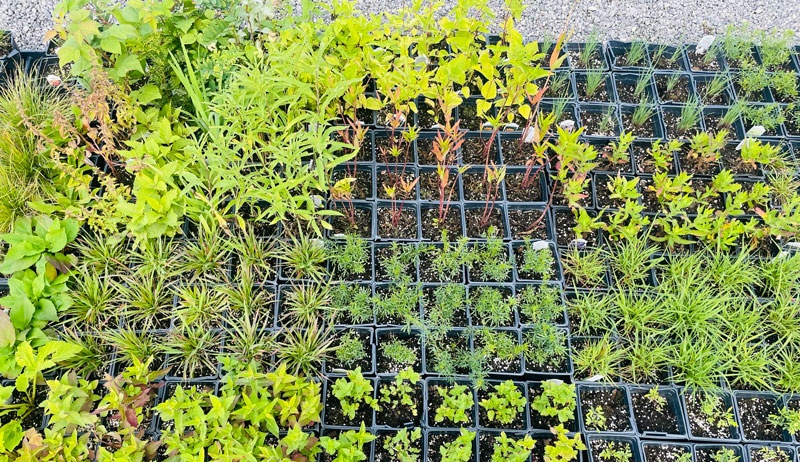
[[754, 428], [734, 433], [617, 54], [657, 446], [672, 406], [595, 442], [433, 396], [623, 425]]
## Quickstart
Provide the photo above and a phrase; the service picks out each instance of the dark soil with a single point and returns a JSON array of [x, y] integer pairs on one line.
[[706, 454], [384, 143], [792, 123], [626, 92], [364, 363], [731, 159], [516, 153], [362, 187], [697, 64], [483, 415], [433, 230], [698, 167], [663, 452], [722, 99], [678, 94], [401, 415], [644, 161], [475, 188], [468, 117], [713, 125], [541, 422], [473, 151], [382, 254], [645, 130], [429, 302], [565, 222], [758, 96], [603, 194], [335, 416], [595, 60], [35, 417], [427, 116], [521, 220], [435, 401], [756, 425], [429, 186], [405, 228], [665, 61], [387, 365], [381, 455], [699, 426], [612, 402], [498, 365], [600, 94], [532, 193], [477, 227], [774, 454], [425, 154], [362, 225], [671, 124], [391, 179], [652, 418], [593, 124], [598, 446]]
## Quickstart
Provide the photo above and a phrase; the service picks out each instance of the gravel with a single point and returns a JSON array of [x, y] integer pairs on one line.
[[665, 21]]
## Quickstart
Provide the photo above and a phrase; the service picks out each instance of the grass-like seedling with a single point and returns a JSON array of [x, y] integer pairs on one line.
[[635, 55]]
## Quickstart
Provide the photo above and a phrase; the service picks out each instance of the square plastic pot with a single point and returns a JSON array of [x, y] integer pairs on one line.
[[624, 424], [673, 405]]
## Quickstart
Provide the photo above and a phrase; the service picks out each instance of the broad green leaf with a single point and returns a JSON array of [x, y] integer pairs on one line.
[[7, 333]]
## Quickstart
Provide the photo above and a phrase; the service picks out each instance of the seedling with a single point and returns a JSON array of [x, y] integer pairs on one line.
[[350, 350], [643, 113], [596, 419], [544, 344], [512, 450], [617, 452], [400, 392], [353, 392], [636, 53], [398, 352], [556, 400], [788, 419], [656, 399], [690, 116], [459, 450], [457, 404], [536, 261], [594, 78], [505, 403], [712, 408]]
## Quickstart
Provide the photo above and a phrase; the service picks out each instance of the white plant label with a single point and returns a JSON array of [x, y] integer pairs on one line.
[[567, 125], [595, 378], [539, 245], [704, 44], [758, 130], [529, 135]]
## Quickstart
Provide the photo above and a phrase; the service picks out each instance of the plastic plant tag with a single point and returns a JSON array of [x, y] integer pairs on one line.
[[757, 130], [528, 135], [704, 44], [794, 245], [487, 125], [53, 80], [318, 201], [567, 125], [512, 126], [339, 236], [594, 378], [555, 381], [578, 243], [539, 245]]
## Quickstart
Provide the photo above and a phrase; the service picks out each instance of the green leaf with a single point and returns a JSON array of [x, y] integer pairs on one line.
[[7, 333], [111, 45], [127, 63], [146, 94], [11, 435]]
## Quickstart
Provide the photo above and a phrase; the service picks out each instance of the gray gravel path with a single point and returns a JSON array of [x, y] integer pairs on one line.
[[667, 21]]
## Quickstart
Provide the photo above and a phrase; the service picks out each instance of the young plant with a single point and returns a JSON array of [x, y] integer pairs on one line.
[[589, 49], [713, 88], [403, 445], [348, 446], [617, 452], [642, 83], [457, 404], [350, 350], [556, 400], [304, 257], [596, 418], [643, 113], [398, 352], [400, 392], [491, 307], [594, 78], [459, 450], [537, 259], [508, 449], [712, 408], [690, 116], [350, 258], [586, 268], [656, 399], [353, 392], [493, 177], [544, 345], [449, 260], [636, 53], [505, 403], [352, 300], [540, 303], [492, 256], [564, 448]]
